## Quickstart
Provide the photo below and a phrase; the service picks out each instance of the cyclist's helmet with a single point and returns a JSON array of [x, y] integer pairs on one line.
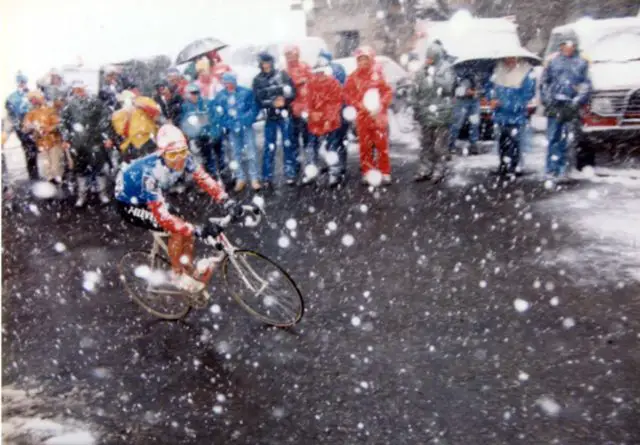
[[170, 139]]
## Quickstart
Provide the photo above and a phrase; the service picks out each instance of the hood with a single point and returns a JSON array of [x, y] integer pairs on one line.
[[266, 57], [615, 76], [230, 78]]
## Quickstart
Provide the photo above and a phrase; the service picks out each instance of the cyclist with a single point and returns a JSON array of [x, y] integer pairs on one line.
[[140, 201]]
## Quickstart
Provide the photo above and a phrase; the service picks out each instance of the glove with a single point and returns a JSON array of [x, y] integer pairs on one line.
[[233, 208], [207, 230]]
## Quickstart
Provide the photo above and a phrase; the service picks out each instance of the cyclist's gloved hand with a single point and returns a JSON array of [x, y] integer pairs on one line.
[[233, 208], [207, 230]]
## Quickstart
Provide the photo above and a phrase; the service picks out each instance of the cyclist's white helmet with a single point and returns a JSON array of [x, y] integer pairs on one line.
[[170, 138]]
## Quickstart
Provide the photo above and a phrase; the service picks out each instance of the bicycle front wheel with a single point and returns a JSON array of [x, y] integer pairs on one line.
[[263, 288], [143, 276]]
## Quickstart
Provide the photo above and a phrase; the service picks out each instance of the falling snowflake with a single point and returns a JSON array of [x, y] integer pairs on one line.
[[364, 208], [215, 309], [373, 177], [90, 280], [331, 158], [371, 100], [234, 165], [548, 405], [355, 321], [44, 190], [291, 224], [568, 323], [348, 240], [349, 113], [332, 226], [483, 284], [520, 305], [523, 376], [59, 247], [193, 120], [217, 409], [311, 171], [554, 301], [284, 241]]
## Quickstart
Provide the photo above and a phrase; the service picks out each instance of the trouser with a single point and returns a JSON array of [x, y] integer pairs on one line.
[[334, 144], [372, 137], [54, 167], [509, 147], [178, 245], [299, 131], [31, 154], [5, 175], [291, 165], [434, 154], [464, 109], [558, 138], [212, 154], [243, 143]]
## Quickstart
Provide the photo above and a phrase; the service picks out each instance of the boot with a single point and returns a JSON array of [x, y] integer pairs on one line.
[[81, 185], [102, 189]]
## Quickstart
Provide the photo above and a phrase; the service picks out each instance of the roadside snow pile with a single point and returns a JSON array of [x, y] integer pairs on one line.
[[608, 217], [23, 422]]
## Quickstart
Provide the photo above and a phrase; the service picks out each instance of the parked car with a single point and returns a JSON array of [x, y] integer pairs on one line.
[[612, 47], [243, 59]]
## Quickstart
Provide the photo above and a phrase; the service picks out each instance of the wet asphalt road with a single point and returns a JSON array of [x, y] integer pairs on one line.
[[440, 356]]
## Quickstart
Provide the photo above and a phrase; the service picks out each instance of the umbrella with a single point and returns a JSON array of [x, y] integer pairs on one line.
[[489, 56], [198, 48]]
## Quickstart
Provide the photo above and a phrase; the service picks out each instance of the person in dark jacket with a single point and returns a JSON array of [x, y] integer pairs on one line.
[[87, 133], [170, 105], [565, 87], [432, 107], [512, 87], [275, 93], [17, 106], [111, 88]]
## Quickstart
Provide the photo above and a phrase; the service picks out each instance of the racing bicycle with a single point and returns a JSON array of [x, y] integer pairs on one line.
[[261, 286]]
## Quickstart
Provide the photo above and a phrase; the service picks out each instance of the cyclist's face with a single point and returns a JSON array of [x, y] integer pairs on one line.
[[176, 160]]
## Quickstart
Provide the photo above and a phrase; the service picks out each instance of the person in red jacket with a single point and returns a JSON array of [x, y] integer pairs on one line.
[[368, 92], [324, 103], [300, 74]]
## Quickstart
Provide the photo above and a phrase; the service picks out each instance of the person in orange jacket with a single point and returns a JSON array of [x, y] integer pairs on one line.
[[300, 74], [368, 92], [325, 119], [41, 124]]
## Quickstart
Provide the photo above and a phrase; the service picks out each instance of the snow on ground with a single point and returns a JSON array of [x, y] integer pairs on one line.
[[604, 211], [607, 216], [23, 421]]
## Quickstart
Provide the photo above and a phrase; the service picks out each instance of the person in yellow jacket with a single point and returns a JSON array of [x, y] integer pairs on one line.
[[42, 123], [137, 124]]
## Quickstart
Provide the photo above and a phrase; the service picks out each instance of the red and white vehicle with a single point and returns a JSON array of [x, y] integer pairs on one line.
[[612, 48]]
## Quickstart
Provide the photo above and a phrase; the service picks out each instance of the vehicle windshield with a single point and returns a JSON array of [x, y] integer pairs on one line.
[[618, 47]]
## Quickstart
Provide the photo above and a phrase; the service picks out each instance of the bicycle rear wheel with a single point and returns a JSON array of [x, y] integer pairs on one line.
[[263, 288], [141, 275]]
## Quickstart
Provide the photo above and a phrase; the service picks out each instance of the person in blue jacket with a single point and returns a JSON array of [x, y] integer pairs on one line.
[[236, 109], [512, 87], [565, 88], [204, 134], [17, 106], [274, 91]]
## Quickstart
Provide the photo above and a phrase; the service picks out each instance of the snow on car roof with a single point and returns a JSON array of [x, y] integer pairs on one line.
[[473, 36], [587, 26]]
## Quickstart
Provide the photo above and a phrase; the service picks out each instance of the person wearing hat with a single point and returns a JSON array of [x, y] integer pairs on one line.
[[205, 135], [300, 74], [512, 87], [42, 123], [136, 123], [367, 91], [235, 108], [275, 92], [87, 133], [17, 106], [565, 88], [432, 102]]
